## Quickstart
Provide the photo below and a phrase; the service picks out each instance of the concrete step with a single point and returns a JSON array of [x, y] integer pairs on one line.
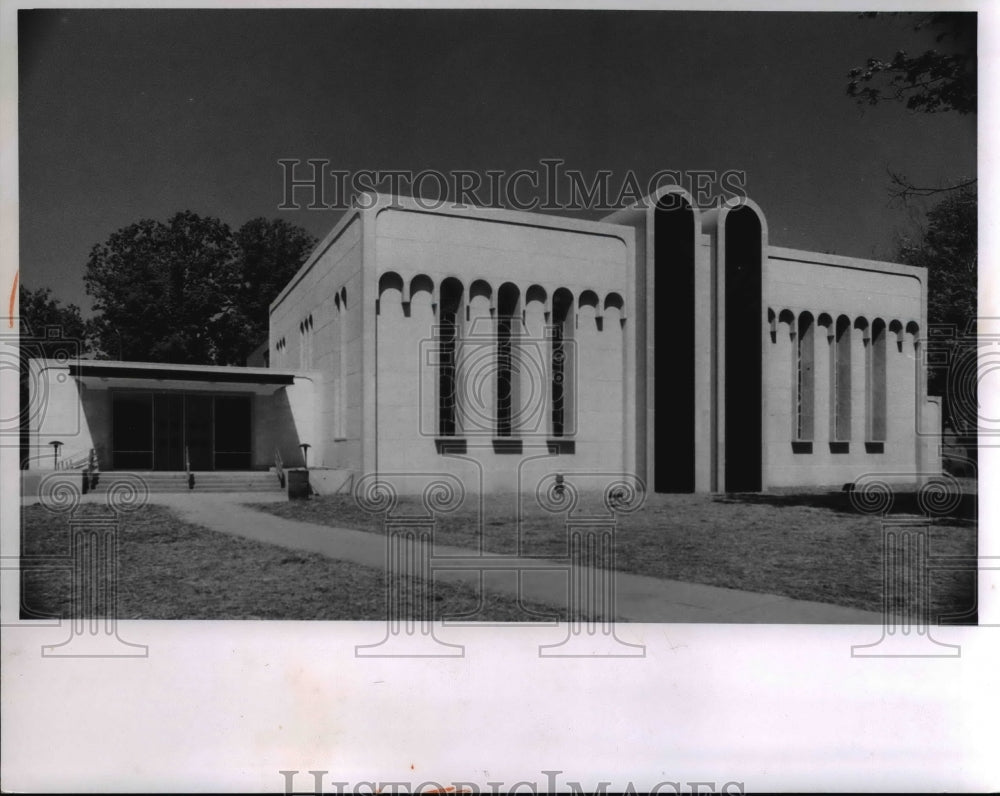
[[209, 481]]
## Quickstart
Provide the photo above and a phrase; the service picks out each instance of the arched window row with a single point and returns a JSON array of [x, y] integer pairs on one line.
[[839, 331], [530, 297], [902, 332], [532, 330]]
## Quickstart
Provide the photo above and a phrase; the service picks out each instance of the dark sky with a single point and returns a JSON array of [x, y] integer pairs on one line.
[[139, 114]]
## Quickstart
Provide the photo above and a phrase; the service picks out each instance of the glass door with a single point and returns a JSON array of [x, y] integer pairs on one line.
[[132, 431], [233, 432]]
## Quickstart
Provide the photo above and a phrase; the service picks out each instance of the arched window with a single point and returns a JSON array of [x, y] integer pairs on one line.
[[840, 381], [805, 378], [589, 307], [562, 362], [388, 281], [306, 342], [896, 328], [876, 381], [450, 307]]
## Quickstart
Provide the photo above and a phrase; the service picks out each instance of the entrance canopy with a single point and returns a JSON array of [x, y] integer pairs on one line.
[[96, 374], [154, 416]]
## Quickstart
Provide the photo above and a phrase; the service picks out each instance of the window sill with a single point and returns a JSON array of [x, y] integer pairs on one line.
[[508, 445], [451, 444], [561, 445], [840, 447], [874, 447], [802, 446]]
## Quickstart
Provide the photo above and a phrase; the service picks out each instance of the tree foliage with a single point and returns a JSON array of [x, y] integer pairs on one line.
[[190, 290], [937, 80], [270, 254], [948, 248], [42, 315]]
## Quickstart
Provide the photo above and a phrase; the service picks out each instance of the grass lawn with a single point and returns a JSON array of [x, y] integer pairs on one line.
[[805, 545], [169, 569]]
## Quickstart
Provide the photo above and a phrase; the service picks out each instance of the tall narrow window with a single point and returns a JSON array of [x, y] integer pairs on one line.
[[450, 305], [340, 421], [508, 301], [562, 333], [805, 378], [302, 344], [876, 376], [840, 381]]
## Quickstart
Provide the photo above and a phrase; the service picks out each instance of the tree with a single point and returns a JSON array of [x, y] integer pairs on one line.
[[934, 81], [41, 314], [938, 81], [188, 291], [270, 254], [948, 248]]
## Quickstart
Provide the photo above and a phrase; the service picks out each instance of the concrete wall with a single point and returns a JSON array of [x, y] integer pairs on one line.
[[414, 252], [826, 285], [60, 408], [283, 420], [328, 292]]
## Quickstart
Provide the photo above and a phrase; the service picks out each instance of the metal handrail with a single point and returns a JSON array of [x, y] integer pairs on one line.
[[66, 463]]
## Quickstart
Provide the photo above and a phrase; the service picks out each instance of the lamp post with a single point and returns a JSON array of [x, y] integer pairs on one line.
[[56, 445]]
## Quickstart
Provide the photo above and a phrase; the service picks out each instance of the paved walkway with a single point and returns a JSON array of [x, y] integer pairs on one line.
[[639, 598]]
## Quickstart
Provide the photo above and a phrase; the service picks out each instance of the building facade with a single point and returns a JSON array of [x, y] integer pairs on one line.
[[667, 342]]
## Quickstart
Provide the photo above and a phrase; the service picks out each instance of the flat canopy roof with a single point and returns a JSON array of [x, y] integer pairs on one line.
[[169, 372]]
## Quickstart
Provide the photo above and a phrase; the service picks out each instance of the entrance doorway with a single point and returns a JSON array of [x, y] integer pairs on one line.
[[154, 431]]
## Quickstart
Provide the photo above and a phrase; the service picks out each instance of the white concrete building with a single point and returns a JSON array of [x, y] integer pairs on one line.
[[665, 341]]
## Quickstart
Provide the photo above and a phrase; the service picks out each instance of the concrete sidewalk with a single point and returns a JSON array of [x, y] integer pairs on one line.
[[639, 598]]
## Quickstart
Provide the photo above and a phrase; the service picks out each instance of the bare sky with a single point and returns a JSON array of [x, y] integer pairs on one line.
[[139, 114]]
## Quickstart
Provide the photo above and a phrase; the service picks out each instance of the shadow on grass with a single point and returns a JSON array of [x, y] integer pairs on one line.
[[904, 503]]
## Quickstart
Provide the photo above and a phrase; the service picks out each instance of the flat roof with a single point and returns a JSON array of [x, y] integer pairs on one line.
[[229, 374]]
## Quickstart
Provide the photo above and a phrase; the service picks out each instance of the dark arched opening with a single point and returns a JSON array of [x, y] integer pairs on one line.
[[673, 346], [743, 351]]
